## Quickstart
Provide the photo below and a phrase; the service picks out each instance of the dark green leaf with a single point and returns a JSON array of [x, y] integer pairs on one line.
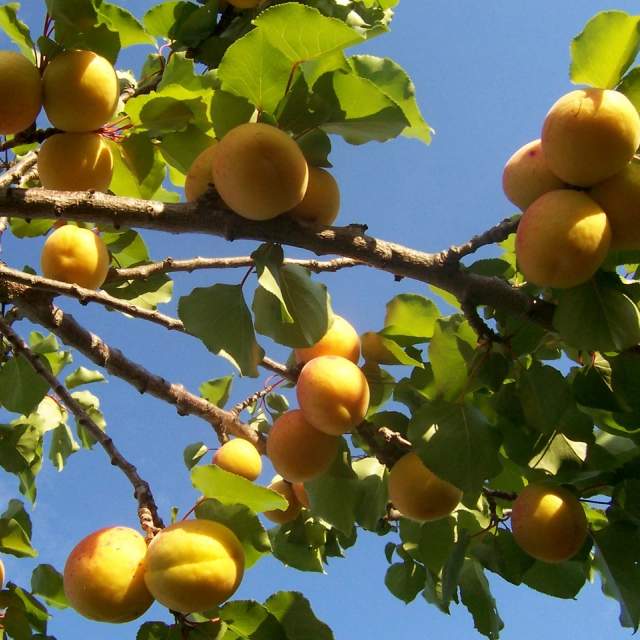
[[453, 567], [193, 453], [15, 531], [21, 388], [373, 491], [249, 619], [294, 613], [563, 580], [46, 582], [159, 631], [405, 580], [476, 596]]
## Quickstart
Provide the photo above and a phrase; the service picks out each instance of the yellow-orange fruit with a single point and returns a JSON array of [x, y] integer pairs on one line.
[[240, 457], [81, 91], [301, 494], [2, 574], [291, 512], [75, 162], [341, 339], [589, 135], [297, 451], [548, 522], [333, 394], [194, 565], [527, 176], [619, 196], [417, 493], [321, 202], [104, 576], [200, 175], [562, 239], [20, 92], [259, 171], [75, 255]]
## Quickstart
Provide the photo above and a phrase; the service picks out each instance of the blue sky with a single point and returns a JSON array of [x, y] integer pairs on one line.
[[485, 74]]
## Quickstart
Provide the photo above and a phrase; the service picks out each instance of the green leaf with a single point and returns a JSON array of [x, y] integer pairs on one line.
[[82, 376], [98, 38], [562, 580], [29, 228], [91, 406], [145, 163], [605, 49], [146, 294], [269, 259], [193, 453], [379, 349], [126, 246], [228, 111], [199, 24], [294, 613], [62, 446], [501, 554], [452, 568], [229, 489], [21, 388], [46, 582], [436, 543], [80, 14], [410, 319], [630, 86], [159, 20], [597, 316], [15, 531], [292, 547], [159, 631], [125, 24], [405, 580], [476, 596], [181, 148], [373, 492], [16, 30], [559, 450], [249, 619], [217, 391], [219, 316], [21, 446]]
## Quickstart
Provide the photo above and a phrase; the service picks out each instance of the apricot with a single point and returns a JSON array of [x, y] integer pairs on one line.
[[104, 576], [75, 162], [259, 171], [301, 494], [291, 512], [619, 196], [297, 451], [200, 176], [75, 255], [527, 176], [321, 201], [2, 574], [20, 92], [240, 457], [333, 394], [589, 135], [194, 565], [81, 91], [417, 493], [341, 339], [562, 239], [548, 522]]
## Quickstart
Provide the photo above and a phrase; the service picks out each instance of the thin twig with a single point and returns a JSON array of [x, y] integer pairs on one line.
[[17, 170], [496, 234]]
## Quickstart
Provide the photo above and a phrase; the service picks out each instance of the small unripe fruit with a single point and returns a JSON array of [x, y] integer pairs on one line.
[[259, 171], [298, 451], [104, 576], [291, 512], [240, 457], [321, 202], [562, 239], [589, 135], [548, 522], [194, 565], [20, 92], [341, 339], [417, 493], [81, 91], [75, 255]]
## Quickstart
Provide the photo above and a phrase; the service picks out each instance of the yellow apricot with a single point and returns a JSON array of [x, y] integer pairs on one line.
[[341, 339], [75, 255], [75, 162], [285, 489], [194, 565], [589, 135], [548, 522], [2, 574], [81, 91], [104, 576], [333, 394], [619, 196], [321, 201], [297, 451], [200, 176], [259, 171], [527, 176], [562, 239], [20, 92], [417, 493], [240, 457], [301, 494]]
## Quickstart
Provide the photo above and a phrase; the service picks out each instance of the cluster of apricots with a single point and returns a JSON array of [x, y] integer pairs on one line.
[[113, 575], [260, 172], [578, 186]]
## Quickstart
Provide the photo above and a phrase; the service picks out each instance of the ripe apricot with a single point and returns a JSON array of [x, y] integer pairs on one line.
[[527, 176], [75, 255], [417, 493], [548, 522], [301, 494], [259, 171], [341, 339], [194, 565], [562, 239], [200, 175], [297, 451], [104, 576], [333, 394], [589, 135], [75, 162], [321, 201], [240, 457], [291, 512], [20, 92], [81, 91]]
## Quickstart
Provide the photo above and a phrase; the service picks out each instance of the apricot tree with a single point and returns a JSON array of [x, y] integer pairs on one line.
[[522, 383]]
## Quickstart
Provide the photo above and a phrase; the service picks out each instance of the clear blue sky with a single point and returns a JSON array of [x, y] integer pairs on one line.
[[486, 74]]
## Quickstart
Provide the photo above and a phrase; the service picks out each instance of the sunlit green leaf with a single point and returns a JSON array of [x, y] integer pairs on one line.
[[248, 619], [15, 531], [128, 27], [21, 388], [82, 376], [217, 391], [17, 30]]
